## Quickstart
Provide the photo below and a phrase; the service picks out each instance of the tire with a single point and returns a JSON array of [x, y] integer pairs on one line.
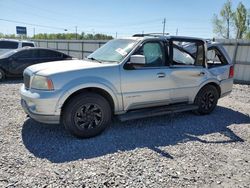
[[86, 115], [2, 75], [206, 100]]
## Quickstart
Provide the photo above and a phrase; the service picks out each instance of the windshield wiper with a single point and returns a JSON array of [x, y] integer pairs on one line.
[[94, 59]]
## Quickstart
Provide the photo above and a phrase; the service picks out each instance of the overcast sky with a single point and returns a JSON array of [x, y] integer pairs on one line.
[[189, 17]]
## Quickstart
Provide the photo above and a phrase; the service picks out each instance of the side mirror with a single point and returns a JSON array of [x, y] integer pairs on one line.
[[137, 60]]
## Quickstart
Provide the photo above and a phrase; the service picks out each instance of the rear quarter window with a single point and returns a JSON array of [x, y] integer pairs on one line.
[[215, 57], [49, 54], [27, 44], [8, 45]]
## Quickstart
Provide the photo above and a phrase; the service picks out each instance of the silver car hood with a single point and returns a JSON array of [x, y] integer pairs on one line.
[[55, 67]]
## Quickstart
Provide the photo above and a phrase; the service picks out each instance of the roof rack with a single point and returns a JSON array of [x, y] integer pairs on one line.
[[151, 34]]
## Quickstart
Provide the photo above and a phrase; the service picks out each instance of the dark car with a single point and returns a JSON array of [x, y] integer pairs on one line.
[[13, 63]]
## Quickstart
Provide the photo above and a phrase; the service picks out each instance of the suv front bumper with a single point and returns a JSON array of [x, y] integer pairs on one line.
[[49, 119], [40, 106]]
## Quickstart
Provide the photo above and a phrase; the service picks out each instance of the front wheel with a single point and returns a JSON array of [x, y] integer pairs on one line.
[[86, 115], [2, 75], [206, 100]]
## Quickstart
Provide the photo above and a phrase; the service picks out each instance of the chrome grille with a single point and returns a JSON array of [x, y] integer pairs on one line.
[[26, 80]]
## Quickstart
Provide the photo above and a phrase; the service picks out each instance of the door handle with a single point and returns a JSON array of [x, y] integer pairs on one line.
[[161, 75], [201, 73]]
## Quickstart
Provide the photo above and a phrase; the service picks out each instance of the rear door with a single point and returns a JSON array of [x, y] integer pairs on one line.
[[187, 64], [49, 55]]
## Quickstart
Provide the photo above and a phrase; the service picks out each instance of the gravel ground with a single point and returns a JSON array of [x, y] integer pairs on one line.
[[179, 150]]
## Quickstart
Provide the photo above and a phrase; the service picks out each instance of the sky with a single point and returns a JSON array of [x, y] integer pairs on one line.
[[112, 17]]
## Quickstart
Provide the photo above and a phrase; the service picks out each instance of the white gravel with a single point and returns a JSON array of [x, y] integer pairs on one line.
[[179, 150]]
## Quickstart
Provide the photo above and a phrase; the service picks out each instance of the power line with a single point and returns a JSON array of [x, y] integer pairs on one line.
[[37, 25]]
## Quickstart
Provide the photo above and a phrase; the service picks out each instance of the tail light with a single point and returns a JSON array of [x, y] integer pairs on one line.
[[231, 72]]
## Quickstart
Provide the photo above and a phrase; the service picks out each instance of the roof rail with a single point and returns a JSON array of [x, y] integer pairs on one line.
[[151, 34]]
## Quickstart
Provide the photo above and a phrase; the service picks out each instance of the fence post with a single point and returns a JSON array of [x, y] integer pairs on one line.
[[235, 51], [68, 47], [82, 49]]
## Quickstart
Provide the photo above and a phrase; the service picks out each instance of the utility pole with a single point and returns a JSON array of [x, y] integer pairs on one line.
[[76, 32], [164, 24], [116, 35], [228, 23], [176, 32], [34, 32]]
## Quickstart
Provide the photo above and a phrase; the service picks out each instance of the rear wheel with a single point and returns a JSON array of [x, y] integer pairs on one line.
[[206, 100], [2, 75], [87, 115]]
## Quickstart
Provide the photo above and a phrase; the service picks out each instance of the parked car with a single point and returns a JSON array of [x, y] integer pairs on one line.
[[12, 44], [130, 78], [13, 63]]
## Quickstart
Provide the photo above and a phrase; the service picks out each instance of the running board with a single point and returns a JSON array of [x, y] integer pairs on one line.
[[157, 111]]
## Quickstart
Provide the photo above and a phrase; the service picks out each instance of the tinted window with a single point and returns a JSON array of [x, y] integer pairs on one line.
[[27, 44], [49, 54], [26, 54], [153, 52], [8, 45]]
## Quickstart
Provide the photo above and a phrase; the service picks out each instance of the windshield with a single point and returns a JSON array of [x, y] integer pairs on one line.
[[8, 54], [113, 51]]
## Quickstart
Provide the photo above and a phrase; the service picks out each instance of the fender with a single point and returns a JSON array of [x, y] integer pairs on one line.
[[82, 83], [211, 80]]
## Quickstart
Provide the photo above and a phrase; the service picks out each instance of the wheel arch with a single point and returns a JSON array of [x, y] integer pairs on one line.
[[214, 83], [96, 90]]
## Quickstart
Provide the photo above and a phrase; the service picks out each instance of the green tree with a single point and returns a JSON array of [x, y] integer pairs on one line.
[[240, 20], [223, 22], [230, 20]]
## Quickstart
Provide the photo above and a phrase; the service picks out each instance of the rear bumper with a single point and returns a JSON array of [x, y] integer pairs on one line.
[[226, 87], [49, 119]]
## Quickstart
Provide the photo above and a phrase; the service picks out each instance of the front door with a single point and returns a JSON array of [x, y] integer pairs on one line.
[[147, 85], [22, 60]]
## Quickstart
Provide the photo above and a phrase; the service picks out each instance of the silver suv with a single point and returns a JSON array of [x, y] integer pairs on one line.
[[130, 78], [7, 45]]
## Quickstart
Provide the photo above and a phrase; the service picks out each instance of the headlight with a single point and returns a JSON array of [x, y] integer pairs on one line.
[[41, 82]]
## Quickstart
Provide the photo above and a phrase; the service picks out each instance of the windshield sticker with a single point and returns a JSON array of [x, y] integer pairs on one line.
[[121, 51]]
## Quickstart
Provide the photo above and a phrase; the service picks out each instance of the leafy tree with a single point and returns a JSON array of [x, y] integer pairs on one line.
[[69, 36], [240, 20], [230, 20], [247, 36], [222, 24]]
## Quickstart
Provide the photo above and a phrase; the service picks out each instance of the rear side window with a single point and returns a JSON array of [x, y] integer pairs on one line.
[[215, 57], [27, 44], [8, 45], [188, 53], [26, 54], [49, 54]]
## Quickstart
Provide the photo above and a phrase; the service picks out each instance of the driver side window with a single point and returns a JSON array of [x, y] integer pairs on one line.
[[153, 52]]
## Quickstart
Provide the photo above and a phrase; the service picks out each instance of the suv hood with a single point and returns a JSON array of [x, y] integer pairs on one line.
[[55, 67]]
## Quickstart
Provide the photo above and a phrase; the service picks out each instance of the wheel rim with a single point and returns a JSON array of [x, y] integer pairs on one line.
[[207, 100], [88, 116]]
